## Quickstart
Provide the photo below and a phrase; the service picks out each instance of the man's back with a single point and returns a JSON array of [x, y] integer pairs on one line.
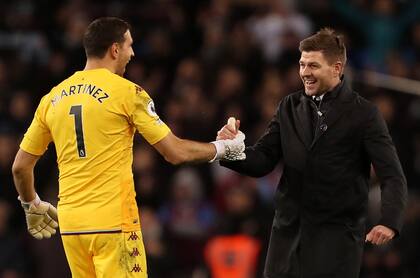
[[91, 117]]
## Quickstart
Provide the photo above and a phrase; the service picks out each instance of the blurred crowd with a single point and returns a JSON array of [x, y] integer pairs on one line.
[[203, 61]]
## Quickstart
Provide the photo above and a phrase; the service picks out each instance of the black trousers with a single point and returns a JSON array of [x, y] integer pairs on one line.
[[314, 251]]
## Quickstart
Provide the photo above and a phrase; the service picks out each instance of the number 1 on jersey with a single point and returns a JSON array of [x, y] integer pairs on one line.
[[77, 112]]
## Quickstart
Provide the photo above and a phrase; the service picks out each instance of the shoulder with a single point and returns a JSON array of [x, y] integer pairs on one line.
[[292, 99], [363, 103], [126, 85], [295, 96]]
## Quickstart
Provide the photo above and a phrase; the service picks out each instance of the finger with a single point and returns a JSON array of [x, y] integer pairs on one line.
[[376, 237], [368, 237], [238, 123], [382, 239], [387, 239], [51, 222], [44, 231], [231, 122], [231, 128], [227, 131], [35, 232], [391, 234], [223, 135], [50, 229], [52, 212]]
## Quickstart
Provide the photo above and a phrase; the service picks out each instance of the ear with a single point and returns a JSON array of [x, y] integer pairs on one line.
[[338, 69], [114, 49]]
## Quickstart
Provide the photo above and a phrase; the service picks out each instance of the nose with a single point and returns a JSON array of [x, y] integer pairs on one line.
[[305, 71]]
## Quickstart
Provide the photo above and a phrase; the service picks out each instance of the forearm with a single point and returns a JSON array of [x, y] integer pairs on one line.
[[394, 200], [383, 155], [192, 151], [256, 164], [177, 151], [24, 183], [262, 157], [23, 175]]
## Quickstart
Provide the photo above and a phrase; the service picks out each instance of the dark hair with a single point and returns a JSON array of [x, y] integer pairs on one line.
[[102, 33], [329, 42]]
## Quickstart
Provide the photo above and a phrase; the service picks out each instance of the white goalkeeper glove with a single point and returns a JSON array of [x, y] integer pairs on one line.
[[41, 218], [231, 150]]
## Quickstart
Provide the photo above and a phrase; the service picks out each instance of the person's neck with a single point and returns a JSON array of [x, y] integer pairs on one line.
[[92, 64], [334, 84], [332, 87]]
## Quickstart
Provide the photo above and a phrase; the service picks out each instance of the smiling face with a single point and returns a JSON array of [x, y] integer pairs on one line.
[[318, 76], [125, 53]]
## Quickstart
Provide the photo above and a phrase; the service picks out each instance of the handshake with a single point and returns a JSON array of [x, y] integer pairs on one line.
[[229, 142]]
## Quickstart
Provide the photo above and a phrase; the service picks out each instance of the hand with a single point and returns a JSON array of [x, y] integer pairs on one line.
[[380, 235], [229, 130], [41, 218], [230, 149]]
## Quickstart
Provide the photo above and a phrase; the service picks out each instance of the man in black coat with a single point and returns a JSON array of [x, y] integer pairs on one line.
[[327, 137]]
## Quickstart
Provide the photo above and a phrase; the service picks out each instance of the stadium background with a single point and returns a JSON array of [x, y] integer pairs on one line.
[[203, 61]]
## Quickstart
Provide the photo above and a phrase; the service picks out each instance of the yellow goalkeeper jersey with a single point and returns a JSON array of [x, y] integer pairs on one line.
[[91, 117]]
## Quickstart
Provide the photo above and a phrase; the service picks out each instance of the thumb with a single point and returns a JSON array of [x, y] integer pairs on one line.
[[237, 124], [368, 236], [232, 122]]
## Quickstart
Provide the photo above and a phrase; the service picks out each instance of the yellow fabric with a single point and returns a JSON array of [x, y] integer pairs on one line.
[[96, 181], [106, 255]]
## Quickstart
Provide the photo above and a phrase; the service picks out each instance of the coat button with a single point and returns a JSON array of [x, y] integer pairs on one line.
[[323, 127]]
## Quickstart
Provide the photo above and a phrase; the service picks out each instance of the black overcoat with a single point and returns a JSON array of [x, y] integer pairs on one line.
[[321, 200]]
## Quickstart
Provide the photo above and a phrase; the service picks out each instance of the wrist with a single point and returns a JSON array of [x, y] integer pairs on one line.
[[220, 150], [34, 202]]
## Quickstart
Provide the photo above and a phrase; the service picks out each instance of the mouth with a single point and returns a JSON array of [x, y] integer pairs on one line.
[[309, 82]]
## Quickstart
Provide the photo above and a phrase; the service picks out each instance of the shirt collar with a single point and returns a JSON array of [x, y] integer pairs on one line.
[[330, 94]]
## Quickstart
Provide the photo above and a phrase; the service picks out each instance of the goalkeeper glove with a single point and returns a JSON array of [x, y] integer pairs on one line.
[[230, 149], [41, 218]]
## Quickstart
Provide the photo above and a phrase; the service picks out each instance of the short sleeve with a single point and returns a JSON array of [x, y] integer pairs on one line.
[[144, 117], [38, 136]]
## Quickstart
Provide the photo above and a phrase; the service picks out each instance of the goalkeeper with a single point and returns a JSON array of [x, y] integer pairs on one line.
[[91, 117]]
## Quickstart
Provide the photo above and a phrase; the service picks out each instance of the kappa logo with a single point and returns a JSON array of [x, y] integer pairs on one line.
[[138, 89], [136, 268], [135, 252], [133, 236]]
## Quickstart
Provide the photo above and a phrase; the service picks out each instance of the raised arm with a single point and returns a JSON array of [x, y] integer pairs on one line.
[[176, 150]]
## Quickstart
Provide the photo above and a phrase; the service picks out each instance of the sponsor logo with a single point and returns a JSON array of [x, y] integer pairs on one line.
[[135, 252], [151, 109], [133, 236], [136, 268], [138, 89]]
